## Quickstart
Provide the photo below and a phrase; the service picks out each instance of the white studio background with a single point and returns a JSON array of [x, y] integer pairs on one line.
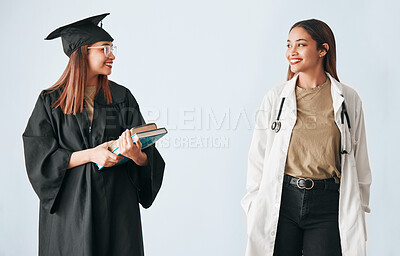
[[200, 68]]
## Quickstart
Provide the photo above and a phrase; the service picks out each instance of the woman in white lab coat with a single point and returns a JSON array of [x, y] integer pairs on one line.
[[308, 174]]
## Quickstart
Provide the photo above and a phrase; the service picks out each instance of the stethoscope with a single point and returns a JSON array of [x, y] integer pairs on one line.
[[276, 125], [342, 115]]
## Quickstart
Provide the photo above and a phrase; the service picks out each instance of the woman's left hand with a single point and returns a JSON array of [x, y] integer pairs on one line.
[[132, 150]]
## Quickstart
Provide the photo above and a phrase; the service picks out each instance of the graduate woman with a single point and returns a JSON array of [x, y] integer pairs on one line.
[[308, 172], [84, 211]]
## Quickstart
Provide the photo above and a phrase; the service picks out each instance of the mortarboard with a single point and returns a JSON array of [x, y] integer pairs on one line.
[[79, 33]]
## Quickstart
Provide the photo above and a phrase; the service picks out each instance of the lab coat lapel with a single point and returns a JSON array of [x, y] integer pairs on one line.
[[290, 105], [338, 99], [337, 95]]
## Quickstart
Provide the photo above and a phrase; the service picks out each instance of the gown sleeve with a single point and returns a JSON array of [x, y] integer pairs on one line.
[[46, 163], [148, 179]]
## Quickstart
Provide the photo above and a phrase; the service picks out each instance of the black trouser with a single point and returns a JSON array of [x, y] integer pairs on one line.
[[308, 222]]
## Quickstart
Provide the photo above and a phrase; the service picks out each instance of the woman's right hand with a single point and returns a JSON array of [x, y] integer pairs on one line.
[[103, 157]]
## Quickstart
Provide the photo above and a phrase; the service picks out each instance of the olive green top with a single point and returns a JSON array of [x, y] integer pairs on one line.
[[314, 149]]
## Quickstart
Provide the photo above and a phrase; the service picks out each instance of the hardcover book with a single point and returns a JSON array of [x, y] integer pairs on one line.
[[148, 134]]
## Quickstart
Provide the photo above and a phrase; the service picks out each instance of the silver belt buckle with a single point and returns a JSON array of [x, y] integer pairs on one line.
[[304, 187]]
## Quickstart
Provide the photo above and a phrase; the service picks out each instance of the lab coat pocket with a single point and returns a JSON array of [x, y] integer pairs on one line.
[[364, 224], [251, 216]]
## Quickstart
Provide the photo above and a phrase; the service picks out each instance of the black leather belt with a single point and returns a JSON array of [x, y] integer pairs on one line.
[[307, 183]]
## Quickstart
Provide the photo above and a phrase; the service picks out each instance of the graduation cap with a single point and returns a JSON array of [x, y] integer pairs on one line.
[[79, 33]]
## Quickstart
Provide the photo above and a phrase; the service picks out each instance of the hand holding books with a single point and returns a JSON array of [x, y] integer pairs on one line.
[[131, 149], [102, 156], [146, 135]]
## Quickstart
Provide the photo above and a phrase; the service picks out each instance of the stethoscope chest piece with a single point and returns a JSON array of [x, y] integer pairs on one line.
[[276, 126]]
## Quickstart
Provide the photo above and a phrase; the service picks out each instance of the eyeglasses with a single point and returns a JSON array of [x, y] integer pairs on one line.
[[107, 49]]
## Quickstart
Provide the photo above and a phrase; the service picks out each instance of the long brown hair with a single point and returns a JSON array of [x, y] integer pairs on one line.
[[72, 83], [321, 33]]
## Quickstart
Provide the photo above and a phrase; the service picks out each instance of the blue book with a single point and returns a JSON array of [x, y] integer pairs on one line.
[[146, 137]]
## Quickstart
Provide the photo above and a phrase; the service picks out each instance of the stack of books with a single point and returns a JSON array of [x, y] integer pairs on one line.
[[148, 134]]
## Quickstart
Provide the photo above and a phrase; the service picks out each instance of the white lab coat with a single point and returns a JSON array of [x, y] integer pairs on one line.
[[266, 164]]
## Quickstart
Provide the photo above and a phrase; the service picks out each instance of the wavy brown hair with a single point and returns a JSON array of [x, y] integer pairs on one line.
[[72, 83], [321, 33]]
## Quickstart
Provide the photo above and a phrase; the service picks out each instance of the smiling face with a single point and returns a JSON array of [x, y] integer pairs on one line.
[[98, 62], [302, 52]]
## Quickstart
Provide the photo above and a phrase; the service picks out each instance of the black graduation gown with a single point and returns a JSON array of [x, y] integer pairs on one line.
[[84, 211]]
